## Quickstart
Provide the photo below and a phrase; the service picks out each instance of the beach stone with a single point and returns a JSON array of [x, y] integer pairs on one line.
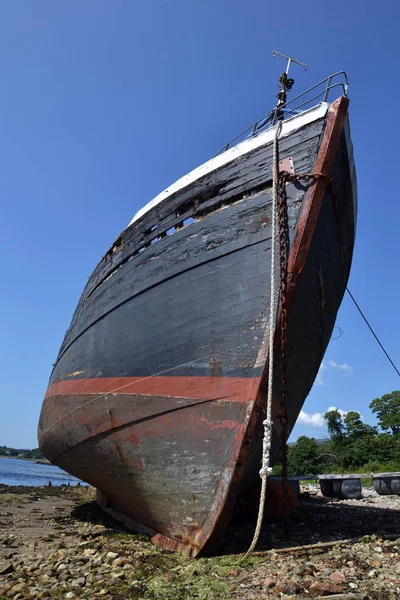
[[6, 568], [31, 568], [80, 582], [112, 555], [319, 588], [377, 564], [137, 586], [269, 582], [6, 588], [118, 575], [34, 591], [346, 596], [9, 555], [19, 586], [337, 577], [285, 587], [70, 595]]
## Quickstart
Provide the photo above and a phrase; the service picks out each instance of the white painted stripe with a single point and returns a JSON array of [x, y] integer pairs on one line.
[[288, 127]]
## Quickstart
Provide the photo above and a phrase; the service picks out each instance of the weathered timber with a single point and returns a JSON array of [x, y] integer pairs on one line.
[[213, 246], [158, 393], [233, 180]]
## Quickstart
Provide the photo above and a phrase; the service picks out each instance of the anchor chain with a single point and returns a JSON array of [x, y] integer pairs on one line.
[[284, 244], [279, 209], [283, 264]]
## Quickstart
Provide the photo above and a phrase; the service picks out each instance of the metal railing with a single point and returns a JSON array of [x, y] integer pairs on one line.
[[335, 80]]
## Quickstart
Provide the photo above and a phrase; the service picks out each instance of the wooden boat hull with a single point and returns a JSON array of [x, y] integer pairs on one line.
[[158, 393]]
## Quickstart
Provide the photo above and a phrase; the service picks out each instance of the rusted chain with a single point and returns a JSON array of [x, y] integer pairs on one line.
[[284, 243], [313, 177], [279, 205], [283, 262]]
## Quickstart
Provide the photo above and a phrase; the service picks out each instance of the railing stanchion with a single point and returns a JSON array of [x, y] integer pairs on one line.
[[328, 83]]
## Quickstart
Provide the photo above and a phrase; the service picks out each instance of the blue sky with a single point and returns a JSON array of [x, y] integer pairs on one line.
[[104, 104]]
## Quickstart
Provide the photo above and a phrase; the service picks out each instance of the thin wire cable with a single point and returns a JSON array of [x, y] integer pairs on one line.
[[372, 331]]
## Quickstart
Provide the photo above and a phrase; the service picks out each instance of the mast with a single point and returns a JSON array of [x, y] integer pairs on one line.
[[286, 84]]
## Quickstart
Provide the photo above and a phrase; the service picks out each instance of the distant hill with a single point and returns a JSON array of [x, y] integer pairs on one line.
[[318, 440]]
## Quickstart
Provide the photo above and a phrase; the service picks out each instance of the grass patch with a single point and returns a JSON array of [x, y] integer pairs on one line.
[[163, 575]]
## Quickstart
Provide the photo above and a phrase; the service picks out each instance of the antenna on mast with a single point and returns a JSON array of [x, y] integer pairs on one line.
[[290, 59], [286, 84]]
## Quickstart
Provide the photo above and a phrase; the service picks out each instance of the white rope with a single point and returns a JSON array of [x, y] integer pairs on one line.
[[267, 423]]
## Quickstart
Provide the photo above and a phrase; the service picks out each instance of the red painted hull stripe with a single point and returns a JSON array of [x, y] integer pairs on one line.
[[204, 388]]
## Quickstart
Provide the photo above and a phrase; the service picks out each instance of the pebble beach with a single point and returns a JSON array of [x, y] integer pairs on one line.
[[56, 543]]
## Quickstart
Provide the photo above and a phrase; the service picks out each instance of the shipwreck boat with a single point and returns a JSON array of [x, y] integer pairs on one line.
[[158, 393]]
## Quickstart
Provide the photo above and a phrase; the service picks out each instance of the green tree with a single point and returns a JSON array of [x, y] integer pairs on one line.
[[387, 409], [386, 448], [334, 423], [303, 457], [37, 454], [355, 428]]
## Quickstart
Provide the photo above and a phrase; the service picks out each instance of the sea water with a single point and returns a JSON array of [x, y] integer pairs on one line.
[[14, 471]]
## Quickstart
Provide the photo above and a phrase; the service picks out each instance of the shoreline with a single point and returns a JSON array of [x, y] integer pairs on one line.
[[55, 542], [33, 472], [40, 461]]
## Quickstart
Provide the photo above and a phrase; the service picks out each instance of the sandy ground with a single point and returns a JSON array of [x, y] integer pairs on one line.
[[56, 543]]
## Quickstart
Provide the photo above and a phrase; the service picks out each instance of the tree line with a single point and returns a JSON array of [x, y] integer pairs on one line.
[[21, 453], [352, 445]]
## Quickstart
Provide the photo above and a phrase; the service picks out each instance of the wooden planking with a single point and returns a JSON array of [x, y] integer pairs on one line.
[[168, 475], [322, 283], [94, 414], [320, 287], [206, 319], [311, 318], [316, 300], [225, 231], [234, 179]]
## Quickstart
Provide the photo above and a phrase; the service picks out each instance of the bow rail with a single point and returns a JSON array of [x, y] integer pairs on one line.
[[291, 109]]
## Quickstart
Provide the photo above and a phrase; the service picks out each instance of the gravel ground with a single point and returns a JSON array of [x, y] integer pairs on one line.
[[56, 543]]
